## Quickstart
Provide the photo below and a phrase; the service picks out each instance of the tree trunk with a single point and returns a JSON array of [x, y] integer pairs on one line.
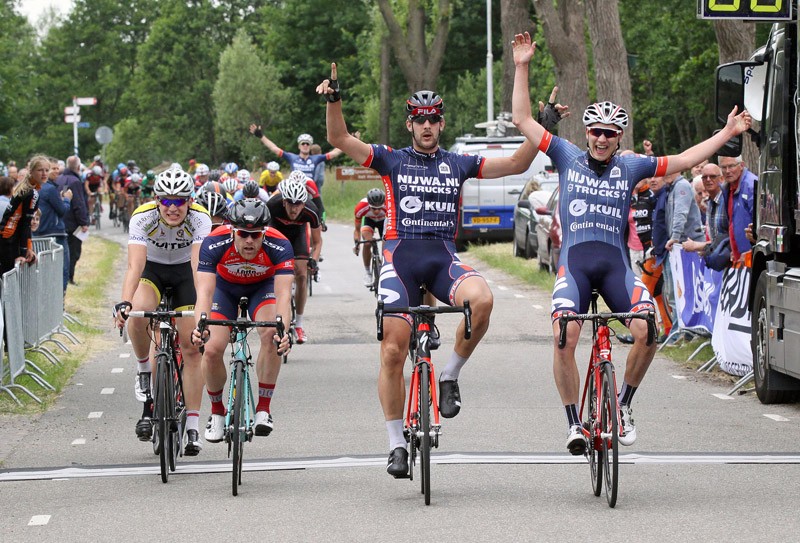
[[562, 22], [419, 62], [612, 79], [385, 91], [515, 18], [737, 41]]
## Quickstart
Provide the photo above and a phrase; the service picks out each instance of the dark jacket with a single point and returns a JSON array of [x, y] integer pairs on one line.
[[53, 208], [78, 214]]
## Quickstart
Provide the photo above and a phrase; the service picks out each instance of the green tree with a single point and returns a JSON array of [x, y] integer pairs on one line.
[[239, 99], [16, 59]]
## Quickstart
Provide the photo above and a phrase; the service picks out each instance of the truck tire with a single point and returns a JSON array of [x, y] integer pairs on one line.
[[764, 376]]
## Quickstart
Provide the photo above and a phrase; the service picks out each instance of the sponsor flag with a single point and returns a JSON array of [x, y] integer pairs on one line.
[[696, 290], [732, 332]]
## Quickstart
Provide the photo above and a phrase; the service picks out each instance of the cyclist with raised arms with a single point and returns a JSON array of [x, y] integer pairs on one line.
[[370, 214], [248, 259], [292, 215], [163, 251], [596, 187], [423, 189], [303, 160]]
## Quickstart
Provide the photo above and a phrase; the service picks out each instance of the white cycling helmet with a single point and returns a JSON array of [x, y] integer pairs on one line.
[[273, 166], [294, 192], [201, 169], [97, 170], [230, 185], [298, 176], [605, 113], [174, 182], [231, 168], [305, 138], [215, 203], [243, 176]]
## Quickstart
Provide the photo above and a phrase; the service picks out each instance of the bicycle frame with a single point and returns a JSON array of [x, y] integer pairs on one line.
[[420, 354], [240, 356]]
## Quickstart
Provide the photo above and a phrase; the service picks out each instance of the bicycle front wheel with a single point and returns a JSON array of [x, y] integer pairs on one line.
[[162, 400], [591, 417], [178, 426], [425, 427], [237, 432], [376, 275], [610, 435]]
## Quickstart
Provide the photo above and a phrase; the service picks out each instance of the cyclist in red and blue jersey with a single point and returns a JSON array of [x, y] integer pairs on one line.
[[596, 188], [248, 259], [423, 190], [370, 214]]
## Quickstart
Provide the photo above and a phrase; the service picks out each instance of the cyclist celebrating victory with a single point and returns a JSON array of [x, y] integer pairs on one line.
[[243, 259], [423, 185], [163, 250], [596, 187]]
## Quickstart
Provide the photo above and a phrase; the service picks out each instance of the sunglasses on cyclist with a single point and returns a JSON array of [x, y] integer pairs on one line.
[[249, 234], [420, 119], [607, 132], [167, 202]]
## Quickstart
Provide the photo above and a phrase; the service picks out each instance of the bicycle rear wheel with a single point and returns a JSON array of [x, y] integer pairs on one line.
[[593, 450], [162, 400], [237, 432], [609, 429], [425, 427]]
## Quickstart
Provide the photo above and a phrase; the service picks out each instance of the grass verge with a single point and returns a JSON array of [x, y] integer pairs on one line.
[[86, 302]]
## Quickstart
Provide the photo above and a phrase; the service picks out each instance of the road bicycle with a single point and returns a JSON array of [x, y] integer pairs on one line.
[[239, 419], [169, 408], [375, 262], [97, 210], [600, 410], [422, 433]]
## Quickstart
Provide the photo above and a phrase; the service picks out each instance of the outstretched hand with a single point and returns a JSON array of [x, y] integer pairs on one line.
[[551, 113], [741, 122], [523, 48]]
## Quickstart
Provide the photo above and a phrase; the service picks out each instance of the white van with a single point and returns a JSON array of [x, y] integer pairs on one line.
[[487, 205]]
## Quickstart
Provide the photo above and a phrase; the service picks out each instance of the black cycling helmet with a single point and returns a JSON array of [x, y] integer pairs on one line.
[[249, 214], [376, 197], [424, 102], [214, 202], [214, 175], [250, 189]]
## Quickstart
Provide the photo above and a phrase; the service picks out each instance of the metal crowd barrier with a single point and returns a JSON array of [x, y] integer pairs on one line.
[[33, 305]]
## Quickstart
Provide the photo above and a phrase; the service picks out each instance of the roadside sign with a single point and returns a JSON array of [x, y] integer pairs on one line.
[[84, 125], [358, 173], [72, 118], [104, 135], [92, 101], [72, 110]]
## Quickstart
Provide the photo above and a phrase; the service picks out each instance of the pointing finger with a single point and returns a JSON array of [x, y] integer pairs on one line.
[[333, 70], [553, 95]]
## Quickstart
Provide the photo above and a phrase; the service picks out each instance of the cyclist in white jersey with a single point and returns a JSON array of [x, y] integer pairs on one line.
[[163, 251]]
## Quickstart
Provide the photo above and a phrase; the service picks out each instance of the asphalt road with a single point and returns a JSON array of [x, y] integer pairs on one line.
[[706, 466]]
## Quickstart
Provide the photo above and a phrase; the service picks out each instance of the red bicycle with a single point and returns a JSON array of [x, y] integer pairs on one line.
[[599, 404], [421, 433]]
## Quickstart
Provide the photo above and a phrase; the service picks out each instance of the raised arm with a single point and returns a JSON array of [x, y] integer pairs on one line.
[[268, 143], [524, 49], [694, 155], [337, 128]]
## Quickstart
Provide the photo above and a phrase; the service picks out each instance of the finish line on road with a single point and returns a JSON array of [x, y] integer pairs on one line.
[[222, 466]]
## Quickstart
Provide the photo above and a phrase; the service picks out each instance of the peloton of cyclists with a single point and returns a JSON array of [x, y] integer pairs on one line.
[[163, 252]]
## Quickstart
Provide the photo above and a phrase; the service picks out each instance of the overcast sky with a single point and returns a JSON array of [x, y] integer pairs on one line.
[[32, 9]]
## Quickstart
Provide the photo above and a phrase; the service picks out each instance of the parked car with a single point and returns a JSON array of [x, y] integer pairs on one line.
[[487, 205], [535, 195], [548, 234]]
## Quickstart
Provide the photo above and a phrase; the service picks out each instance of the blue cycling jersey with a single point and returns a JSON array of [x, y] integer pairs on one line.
[[423, 190], [305, 165]]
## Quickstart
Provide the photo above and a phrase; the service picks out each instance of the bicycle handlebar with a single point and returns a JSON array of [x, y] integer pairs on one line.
[[239, 324], [603, 318], [426, 310], [373, 240], [160, 315]]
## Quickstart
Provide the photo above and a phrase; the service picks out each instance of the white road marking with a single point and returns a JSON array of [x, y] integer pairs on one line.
[[501, 287], [39, 520], [679, 377], [224, 466], [536, 306], [519, 295], [124, 355], [107, 391], [777, 418], [117, 370], [722, 396], [95, 414], [79, 441]]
